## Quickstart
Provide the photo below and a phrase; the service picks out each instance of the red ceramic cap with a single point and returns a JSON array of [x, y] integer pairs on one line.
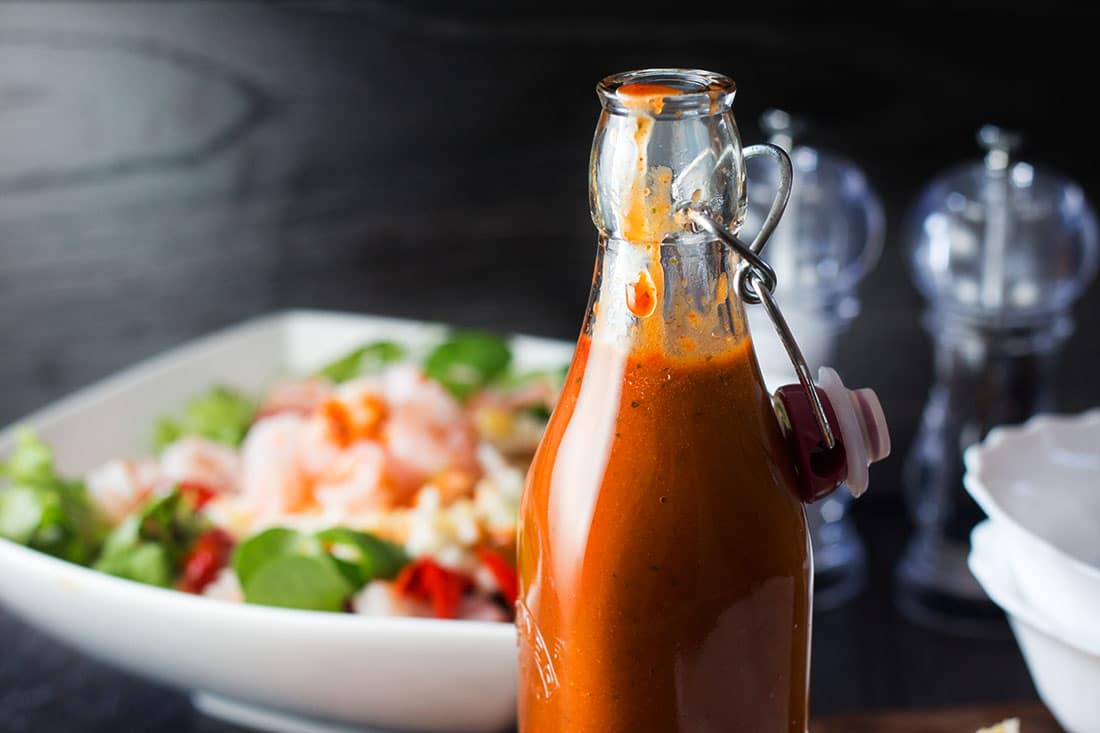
[[820, 469], [858, 425]]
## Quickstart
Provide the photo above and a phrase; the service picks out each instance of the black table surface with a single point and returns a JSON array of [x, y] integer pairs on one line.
[[169, 169]]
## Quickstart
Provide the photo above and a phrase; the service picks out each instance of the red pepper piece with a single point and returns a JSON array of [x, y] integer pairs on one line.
[[198, 494], [503, 573], [429, 582], [209, 554]]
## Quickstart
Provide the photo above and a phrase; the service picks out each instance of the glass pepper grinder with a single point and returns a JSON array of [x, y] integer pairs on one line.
[[829, 238], [1001, 250]]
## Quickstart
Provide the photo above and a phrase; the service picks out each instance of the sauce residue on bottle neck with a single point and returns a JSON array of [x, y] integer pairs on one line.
[[648, 215], [649, 218], [650, 95]]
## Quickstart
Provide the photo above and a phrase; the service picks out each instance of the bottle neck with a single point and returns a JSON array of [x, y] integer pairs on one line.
[[666, 142], [674, 298], [665, 139]]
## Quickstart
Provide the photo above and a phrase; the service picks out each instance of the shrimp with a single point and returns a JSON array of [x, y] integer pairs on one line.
[[317, 449], [356, 412], [272, 479], [201, 461], [302, 396], [426, 432], [370, 445], [118, 487], [353, 413], [356, 482]]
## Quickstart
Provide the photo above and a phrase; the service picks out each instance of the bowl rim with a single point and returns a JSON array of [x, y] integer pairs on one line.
[[974, 462], [996, 579]]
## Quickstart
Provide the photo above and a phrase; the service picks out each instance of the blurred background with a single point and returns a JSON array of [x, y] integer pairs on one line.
[[167, 169]]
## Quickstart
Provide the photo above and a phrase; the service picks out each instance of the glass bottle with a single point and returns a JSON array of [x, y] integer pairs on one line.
[[1001, 249], [664, 558]]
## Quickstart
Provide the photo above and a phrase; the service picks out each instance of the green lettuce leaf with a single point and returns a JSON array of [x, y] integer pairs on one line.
[[45, 511], [366, 359], [30, 461], [150, 545], [222, 414], [468, 361], [21, 510], [172, 522], [126, 555], [361, 556]]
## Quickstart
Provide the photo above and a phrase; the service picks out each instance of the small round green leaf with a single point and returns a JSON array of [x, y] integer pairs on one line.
[[468, 361], [361, 556], [271, 544], [308, 583]]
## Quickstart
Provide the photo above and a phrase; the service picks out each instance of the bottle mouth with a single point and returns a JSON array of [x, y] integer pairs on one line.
[[666, 93]]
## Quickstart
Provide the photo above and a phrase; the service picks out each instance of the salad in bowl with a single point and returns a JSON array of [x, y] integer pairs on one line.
[[385, 483]]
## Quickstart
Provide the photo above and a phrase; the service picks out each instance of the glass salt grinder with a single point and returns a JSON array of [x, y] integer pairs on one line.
[[1001, 250], [829, 238]]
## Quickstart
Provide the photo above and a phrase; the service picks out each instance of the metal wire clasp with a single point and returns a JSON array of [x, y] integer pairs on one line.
[[755, 280]]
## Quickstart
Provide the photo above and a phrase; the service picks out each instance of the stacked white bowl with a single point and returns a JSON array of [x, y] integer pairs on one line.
[[1038, 554]]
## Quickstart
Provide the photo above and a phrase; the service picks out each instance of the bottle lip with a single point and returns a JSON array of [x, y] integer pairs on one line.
[[702, 93]]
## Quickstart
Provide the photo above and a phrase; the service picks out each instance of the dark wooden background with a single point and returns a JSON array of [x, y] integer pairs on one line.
[[167, 169]]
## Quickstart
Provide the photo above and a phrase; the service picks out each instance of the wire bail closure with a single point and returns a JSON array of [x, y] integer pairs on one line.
[[755, 279]]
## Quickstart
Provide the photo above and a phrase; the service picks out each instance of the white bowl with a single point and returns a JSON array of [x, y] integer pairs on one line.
[[1041, 481], [281, 669], [1064, 665]]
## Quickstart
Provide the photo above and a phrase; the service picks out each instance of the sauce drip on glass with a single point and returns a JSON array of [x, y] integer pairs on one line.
[[641, 295]]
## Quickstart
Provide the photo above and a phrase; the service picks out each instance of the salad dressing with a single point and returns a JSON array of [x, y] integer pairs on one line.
[[663, 551]]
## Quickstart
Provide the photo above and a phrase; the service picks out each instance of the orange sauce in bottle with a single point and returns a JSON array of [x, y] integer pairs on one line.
[[663, 552], [664, 561]]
